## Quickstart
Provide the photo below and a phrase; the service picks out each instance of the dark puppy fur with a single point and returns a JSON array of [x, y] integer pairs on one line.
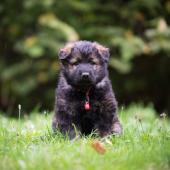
[[84, 78]]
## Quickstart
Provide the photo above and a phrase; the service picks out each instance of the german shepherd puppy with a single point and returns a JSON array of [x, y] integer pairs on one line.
[[85, 101]]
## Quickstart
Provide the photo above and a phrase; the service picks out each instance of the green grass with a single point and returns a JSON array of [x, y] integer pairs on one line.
[[29, 144]]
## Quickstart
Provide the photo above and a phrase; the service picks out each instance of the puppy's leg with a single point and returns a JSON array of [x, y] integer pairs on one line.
[[103, 128], [107, 127], [64, 123], [116, 128], [108, 121]]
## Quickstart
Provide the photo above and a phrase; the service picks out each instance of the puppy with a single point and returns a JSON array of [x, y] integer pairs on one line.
[[85, 101]]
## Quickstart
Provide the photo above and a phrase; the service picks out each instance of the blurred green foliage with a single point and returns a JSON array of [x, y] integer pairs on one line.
[[31, 33]]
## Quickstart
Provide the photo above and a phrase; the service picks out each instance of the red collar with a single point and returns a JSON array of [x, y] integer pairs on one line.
[[87, 104]]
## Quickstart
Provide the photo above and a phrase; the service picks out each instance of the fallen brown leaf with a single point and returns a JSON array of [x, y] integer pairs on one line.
[[98, 146]]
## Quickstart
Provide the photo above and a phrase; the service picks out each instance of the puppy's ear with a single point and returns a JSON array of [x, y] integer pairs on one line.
[[66, 51], [103, 51]]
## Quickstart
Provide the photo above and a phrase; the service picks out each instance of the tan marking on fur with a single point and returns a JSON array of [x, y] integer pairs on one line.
[[71, 67], [100, 48], [67, 48], [97, 67], [75, 59], [96, 61], [102, 83]]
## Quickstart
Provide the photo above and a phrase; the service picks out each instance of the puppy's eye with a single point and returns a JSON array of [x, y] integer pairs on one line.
[[93, 63], [74, 63]]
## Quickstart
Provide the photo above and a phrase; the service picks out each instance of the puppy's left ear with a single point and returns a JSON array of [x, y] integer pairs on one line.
[[103, 51], [66, 51]]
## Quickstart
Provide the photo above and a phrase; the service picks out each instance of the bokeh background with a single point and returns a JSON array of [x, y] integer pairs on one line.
[[31, 33]]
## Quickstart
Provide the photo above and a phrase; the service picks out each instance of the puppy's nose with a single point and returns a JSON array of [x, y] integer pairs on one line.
[[85, 75]]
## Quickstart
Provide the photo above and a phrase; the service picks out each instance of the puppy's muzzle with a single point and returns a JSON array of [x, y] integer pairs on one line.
[[85, 76]]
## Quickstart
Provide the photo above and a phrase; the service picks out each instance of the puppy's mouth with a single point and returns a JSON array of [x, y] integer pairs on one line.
[[84, 83]]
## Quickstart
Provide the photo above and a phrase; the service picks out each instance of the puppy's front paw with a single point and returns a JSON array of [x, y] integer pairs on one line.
[[117, 128], [102, 133]]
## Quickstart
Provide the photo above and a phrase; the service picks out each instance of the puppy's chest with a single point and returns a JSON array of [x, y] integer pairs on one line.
[[80, 105]]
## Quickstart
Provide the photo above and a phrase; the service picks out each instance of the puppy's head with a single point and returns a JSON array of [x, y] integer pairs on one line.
[[84, 63]]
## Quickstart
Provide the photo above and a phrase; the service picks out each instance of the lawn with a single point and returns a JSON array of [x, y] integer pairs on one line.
[[28, 143]]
